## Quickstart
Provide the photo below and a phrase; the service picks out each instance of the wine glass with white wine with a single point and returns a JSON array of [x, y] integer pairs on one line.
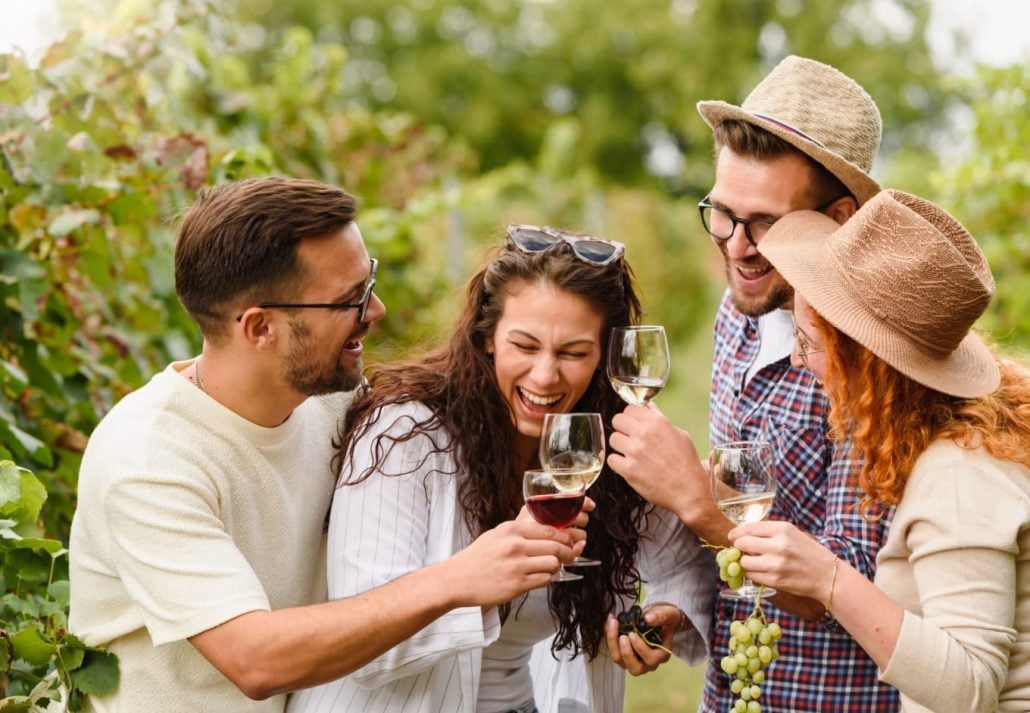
[[638, 362], [744, 486], [572, 447]]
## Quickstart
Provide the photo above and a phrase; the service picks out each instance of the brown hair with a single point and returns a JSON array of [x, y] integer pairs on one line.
[[458, 384], [746, 139], [238, 243], [891, 419]]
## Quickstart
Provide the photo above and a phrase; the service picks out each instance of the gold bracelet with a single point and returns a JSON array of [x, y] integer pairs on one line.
[[833, 581]]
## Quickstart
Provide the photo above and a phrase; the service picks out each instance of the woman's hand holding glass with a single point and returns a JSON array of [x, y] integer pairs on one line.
[[782, 555]]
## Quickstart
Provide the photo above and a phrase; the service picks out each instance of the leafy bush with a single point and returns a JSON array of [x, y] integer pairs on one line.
[[40, 661]]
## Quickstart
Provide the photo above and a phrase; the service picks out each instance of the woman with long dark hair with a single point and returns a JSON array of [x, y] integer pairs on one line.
[[433, 453]]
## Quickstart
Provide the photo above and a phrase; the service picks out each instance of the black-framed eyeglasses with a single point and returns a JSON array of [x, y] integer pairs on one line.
[[803, 343], [589, 249], [720, 223], [361, 305]]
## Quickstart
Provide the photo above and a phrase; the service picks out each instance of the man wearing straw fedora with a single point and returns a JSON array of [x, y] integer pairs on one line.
[[804, 138]]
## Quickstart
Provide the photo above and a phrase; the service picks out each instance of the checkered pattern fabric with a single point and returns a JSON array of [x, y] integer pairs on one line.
[[821, 668]]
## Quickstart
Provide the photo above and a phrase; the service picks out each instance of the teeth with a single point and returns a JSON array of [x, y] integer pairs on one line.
[[539, 400]]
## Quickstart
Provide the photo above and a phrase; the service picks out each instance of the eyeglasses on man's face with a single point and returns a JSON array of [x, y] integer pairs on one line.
[[804, 344], [361, 305], [720, 223], [595, 251]]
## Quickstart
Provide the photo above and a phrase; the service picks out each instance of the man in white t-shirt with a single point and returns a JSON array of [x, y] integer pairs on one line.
[[197, 546]]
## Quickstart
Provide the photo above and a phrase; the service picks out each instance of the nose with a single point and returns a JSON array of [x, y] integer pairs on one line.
[[376, 309], [738, 246], [795, 358], [544, 371]]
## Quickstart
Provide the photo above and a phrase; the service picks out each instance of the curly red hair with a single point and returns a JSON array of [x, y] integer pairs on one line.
[[891, 419]]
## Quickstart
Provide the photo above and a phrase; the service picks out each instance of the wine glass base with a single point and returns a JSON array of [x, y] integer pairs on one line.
[[583, 562], [564, 576], [747, 592]]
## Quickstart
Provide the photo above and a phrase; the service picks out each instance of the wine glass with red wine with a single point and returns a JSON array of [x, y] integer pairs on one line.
[[573, 443], [554, 498]]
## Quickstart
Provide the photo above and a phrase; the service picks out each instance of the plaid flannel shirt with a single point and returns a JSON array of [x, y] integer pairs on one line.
[[821, 668]]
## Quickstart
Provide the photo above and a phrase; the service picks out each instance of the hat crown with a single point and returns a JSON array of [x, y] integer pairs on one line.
[[916, 268], [823, 105]]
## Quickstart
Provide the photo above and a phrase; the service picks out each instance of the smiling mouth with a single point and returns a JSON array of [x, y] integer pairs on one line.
[[753, 273], [355, 344], [536, 402]]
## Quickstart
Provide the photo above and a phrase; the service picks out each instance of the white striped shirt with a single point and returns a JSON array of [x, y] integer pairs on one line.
[[386, 527]]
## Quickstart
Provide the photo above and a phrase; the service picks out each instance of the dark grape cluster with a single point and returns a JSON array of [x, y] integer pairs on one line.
[[632, 620]]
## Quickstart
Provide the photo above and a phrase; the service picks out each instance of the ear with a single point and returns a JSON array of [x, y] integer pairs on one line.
[[842, 209], [260, 328]]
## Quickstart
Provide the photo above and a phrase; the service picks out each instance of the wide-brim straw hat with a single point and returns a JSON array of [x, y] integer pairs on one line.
[[820, 111], [902, 278]]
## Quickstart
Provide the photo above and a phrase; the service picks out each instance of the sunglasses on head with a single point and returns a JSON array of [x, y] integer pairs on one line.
[[595, 251]]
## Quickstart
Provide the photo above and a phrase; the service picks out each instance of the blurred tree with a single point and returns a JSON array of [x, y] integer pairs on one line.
[[499, 73], [988, 188]]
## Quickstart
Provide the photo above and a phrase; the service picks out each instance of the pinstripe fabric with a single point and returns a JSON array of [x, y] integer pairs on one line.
[[821, 667], [388, 526], [383, 529]]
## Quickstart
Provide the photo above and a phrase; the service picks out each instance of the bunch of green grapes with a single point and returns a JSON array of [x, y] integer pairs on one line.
[[752, 649], [730, 570], [752, 641]]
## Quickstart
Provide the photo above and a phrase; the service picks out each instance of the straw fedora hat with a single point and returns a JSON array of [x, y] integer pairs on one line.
[[820, 111], [902, 278]]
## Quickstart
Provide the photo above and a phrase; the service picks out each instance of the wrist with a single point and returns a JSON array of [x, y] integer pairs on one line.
[[682, 624], [833, 584]]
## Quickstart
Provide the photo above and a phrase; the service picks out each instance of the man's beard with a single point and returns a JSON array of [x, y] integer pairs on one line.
[[310, 378], [780, 294]]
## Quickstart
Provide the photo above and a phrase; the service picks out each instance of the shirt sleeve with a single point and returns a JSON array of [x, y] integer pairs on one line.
[[846, 533], [676, 569], [402, 517], [178, 564], [961, 526]]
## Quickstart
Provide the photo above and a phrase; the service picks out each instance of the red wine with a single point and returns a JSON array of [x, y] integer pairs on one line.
[[557, 510]]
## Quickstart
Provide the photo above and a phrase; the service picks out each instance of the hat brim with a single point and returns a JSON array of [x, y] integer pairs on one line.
[[797, 246], [861, 185]]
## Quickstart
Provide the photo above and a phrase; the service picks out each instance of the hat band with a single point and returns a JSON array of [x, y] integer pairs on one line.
[[787, 127]]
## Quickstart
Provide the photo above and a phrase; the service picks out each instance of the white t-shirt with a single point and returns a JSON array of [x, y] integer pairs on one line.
[[505, 681], [189, 516], [775, 339]]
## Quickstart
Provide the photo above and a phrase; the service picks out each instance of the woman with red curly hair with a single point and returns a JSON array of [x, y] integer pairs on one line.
[[883, 309]]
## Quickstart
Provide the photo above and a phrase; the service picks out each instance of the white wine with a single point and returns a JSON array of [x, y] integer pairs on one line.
[[576, 477], [747, 508], [637, 390]]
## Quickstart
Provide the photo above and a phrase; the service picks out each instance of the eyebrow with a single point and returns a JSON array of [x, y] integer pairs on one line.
[[753, 216], [527, 335]]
